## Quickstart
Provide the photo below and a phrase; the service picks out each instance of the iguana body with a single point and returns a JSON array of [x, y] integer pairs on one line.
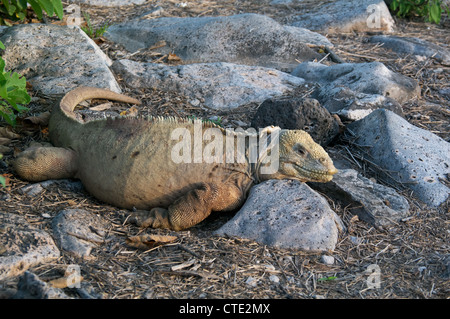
[[128, 162]]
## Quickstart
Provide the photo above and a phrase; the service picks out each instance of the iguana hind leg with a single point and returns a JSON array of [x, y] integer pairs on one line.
[[193, 207], [42, 163]]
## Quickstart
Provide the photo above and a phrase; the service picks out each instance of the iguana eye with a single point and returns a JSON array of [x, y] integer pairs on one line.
[[300, 150]]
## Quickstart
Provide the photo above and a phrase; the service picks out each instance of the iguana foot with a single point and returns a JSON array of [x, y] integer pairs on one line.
[[42, 163], [156, 218]]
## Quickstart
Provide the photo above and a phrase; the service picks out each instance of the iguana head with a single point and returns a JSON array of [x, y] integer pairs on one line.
[[301, 158]]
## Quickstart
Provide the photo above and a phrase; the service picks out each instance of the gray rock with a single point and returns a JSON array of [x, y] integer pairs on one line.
[[109, 3], [219, 85], [286, 214], [275, 279], [327, 260], [22, 246], [298, 114], [56, 59], [445, 92], [78, 231], [354, 90], [413, 46], [374, 203], [31, 287], [36, 188], [346, 16], [32, 189], [249, 39], [411, 156]]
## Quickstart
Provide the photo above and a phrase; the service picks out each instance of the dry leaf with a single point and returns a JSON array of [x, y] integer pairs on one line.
[[4, 149], [183, 265], [148, 241], [4, 141], [63, 282], [101, 107], [131, 112], [173, 58], [41, 119], [5, 132], [158, 45], [71, 277]]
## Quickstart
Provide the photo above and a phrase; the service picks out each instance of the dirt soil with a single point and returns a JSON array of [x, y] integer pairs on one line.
[[412, 255]]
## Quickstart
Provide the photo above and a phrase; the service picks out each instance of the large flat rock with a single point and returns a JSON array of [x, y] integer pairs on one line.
[[56, 59], [412, 157], [218, 85], [413, 46], [249, 39], [354, 90], [286, 214], [345, 16], [376, 204]]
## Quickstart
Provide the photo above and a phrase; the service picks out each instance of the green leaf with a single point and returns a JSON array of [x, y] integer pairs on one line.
[[22, 4], [2, 181], [36, 8], [435, 13], [2, 46], [8, 7], [57, 5], [327, 278], [10, 118], [47, 5]]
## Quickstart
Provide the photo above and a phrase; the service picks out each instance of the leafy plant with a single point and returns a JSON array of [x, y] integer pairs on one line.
[[430, 9], [13, 93], [17, 9], [90, 30]]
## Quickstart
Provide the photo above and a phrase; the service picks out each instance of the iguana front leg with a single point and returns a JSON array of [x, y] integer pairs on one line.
[[193, 207]]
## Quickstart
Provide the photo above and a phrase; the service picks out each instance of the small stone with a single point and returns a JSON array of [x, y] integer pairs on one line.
[[274, 278], [194, 102], [327, 260], [252, 282], [355, 240], [32, 189]]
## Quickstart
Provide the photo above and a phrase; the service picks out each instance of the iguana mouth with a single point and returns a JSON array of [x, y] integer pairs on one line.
[[312, 173]]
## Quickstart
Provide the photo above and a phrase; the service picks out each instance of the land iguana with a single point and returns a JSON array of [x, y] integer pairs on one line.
[[128, 162]]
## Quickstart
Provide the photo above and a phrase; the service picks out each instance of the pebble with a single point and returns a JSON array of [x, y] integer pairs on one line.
[[252, 282], [327, 260], [274, 279]]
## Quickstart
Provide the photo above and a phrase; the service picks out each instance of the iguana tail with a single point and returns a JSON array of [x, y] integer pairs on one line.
[[82, 93]]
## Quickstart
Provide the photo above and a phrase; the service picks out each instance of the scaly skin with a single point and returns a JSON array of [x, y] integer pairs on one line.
[[129, 163]]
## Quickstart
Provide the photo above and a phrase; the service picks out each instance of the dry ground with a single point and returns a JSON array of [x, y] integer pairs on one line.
[[411, 254]]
